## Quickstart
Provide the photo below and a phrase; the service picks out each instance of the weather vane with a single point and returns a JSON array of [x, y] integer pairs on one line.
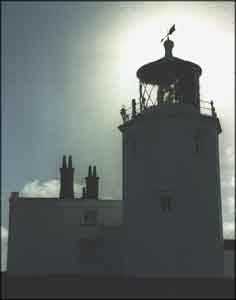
[[172, 29]]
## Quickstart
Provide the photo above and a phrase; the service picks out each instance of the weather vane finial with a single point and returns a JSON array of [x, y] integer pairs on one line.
[[172, 29]]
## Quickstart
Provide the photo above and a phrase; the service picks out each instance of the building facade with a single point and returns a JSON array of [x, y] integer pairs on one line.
[[169, 222], [65, 235], [171, 175]]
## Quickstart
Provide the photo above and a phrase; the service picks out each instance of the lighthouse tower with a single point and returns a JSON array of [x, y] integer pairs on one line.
[[171, 178]]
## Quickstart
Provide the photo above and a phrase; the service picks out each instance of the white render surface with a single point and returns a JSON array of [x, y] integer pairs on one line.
[[229, 263], [30, 253], [45, 234], [159, 158], [135, 236]]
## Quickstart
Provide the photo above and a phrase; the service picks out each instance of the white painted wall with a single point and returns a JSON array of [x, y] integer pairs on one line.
[[229, 263], [44, 235], [188, 240]]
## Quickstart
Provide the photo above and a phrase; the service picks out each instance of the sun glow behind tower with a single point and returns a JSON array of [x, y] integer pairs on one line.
[[210, 46], [86, 55]]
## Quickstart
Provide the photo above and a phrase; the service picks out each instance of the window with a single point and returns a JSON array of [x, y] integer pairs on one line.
[[166, 203], [87, 248], [89, 217], [196, 143]]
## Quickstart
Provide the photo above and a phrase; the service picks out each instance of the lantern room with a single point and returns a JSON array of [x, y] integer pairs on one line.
[[169, 80]]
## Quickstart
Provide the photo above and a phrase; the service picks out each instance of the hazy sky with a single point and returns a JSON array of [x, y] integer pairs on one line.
[[68, 67]]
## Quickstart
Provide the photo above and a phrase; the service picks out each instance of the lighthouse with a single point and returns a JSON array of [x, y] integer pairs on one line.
[[172, 215]]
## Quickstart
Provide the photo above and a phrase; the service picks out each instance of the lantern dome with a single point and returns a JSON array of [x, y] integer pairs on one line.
[[176, 80], [167, 69]]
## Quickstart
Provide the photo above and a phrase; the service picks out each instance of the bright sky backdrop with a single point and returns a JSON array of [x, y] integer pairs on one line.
[[68, 67]]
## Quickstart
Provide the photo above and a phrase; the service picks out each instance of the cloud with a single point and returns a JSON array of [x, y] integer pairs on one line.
[[229, 153], [4, 233], [4, 240], [229, 230], [47, 189], [228, 188]]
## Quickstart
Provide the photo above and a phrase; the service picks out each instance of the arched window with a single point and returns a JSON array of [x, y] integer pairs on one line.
[[166, 202]]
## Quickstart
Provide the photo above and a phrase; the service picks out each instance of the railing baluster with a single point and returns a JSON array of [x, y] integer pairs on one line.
[[128, 114]]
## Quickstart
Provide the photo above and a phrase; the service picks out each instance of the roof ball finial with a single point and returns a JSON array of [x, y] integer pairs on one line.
[[169, 45]]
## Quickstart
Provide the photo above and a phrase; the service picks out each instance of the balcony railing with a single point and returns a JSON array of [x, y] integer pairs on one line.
[[127, 114]]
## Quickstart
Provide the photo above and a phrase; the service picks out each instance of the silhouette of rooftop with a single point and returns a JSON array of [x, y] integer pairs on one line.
[[167, 69]]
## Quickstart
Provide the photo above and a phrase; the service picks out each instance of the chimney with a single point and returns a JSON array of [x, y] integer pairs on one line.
[[67, 179], [92, 183], [94, 171], [14, 196], [70, 162], [89, 171], [64, 162]]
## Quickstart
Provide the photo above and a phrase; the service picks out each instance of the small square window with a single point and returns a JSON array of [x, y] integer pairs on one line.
[[166, 203], [87, 248], [89, 217]]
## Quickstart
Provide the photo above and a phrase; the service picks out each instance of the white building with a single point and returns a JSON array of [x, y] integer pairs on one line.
[[54, 236], [170, 220], [171, 177]]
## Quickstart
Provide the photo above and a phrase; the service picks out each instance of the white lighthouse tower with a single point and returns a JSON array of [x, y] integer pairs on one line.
[[171, 177]]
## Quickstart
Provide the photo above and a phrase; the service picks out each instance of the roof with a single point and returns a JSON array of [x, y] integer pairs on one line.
[[57, 202], [166, 69]]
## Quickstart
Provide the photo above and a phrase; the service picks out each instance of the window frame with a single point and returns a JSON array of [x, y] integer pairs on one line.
[[88, 222], [166, 202]]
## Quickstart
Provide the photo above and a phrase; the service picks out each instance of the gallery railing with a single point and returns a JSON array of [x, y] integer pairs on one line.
[[127, 114]]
